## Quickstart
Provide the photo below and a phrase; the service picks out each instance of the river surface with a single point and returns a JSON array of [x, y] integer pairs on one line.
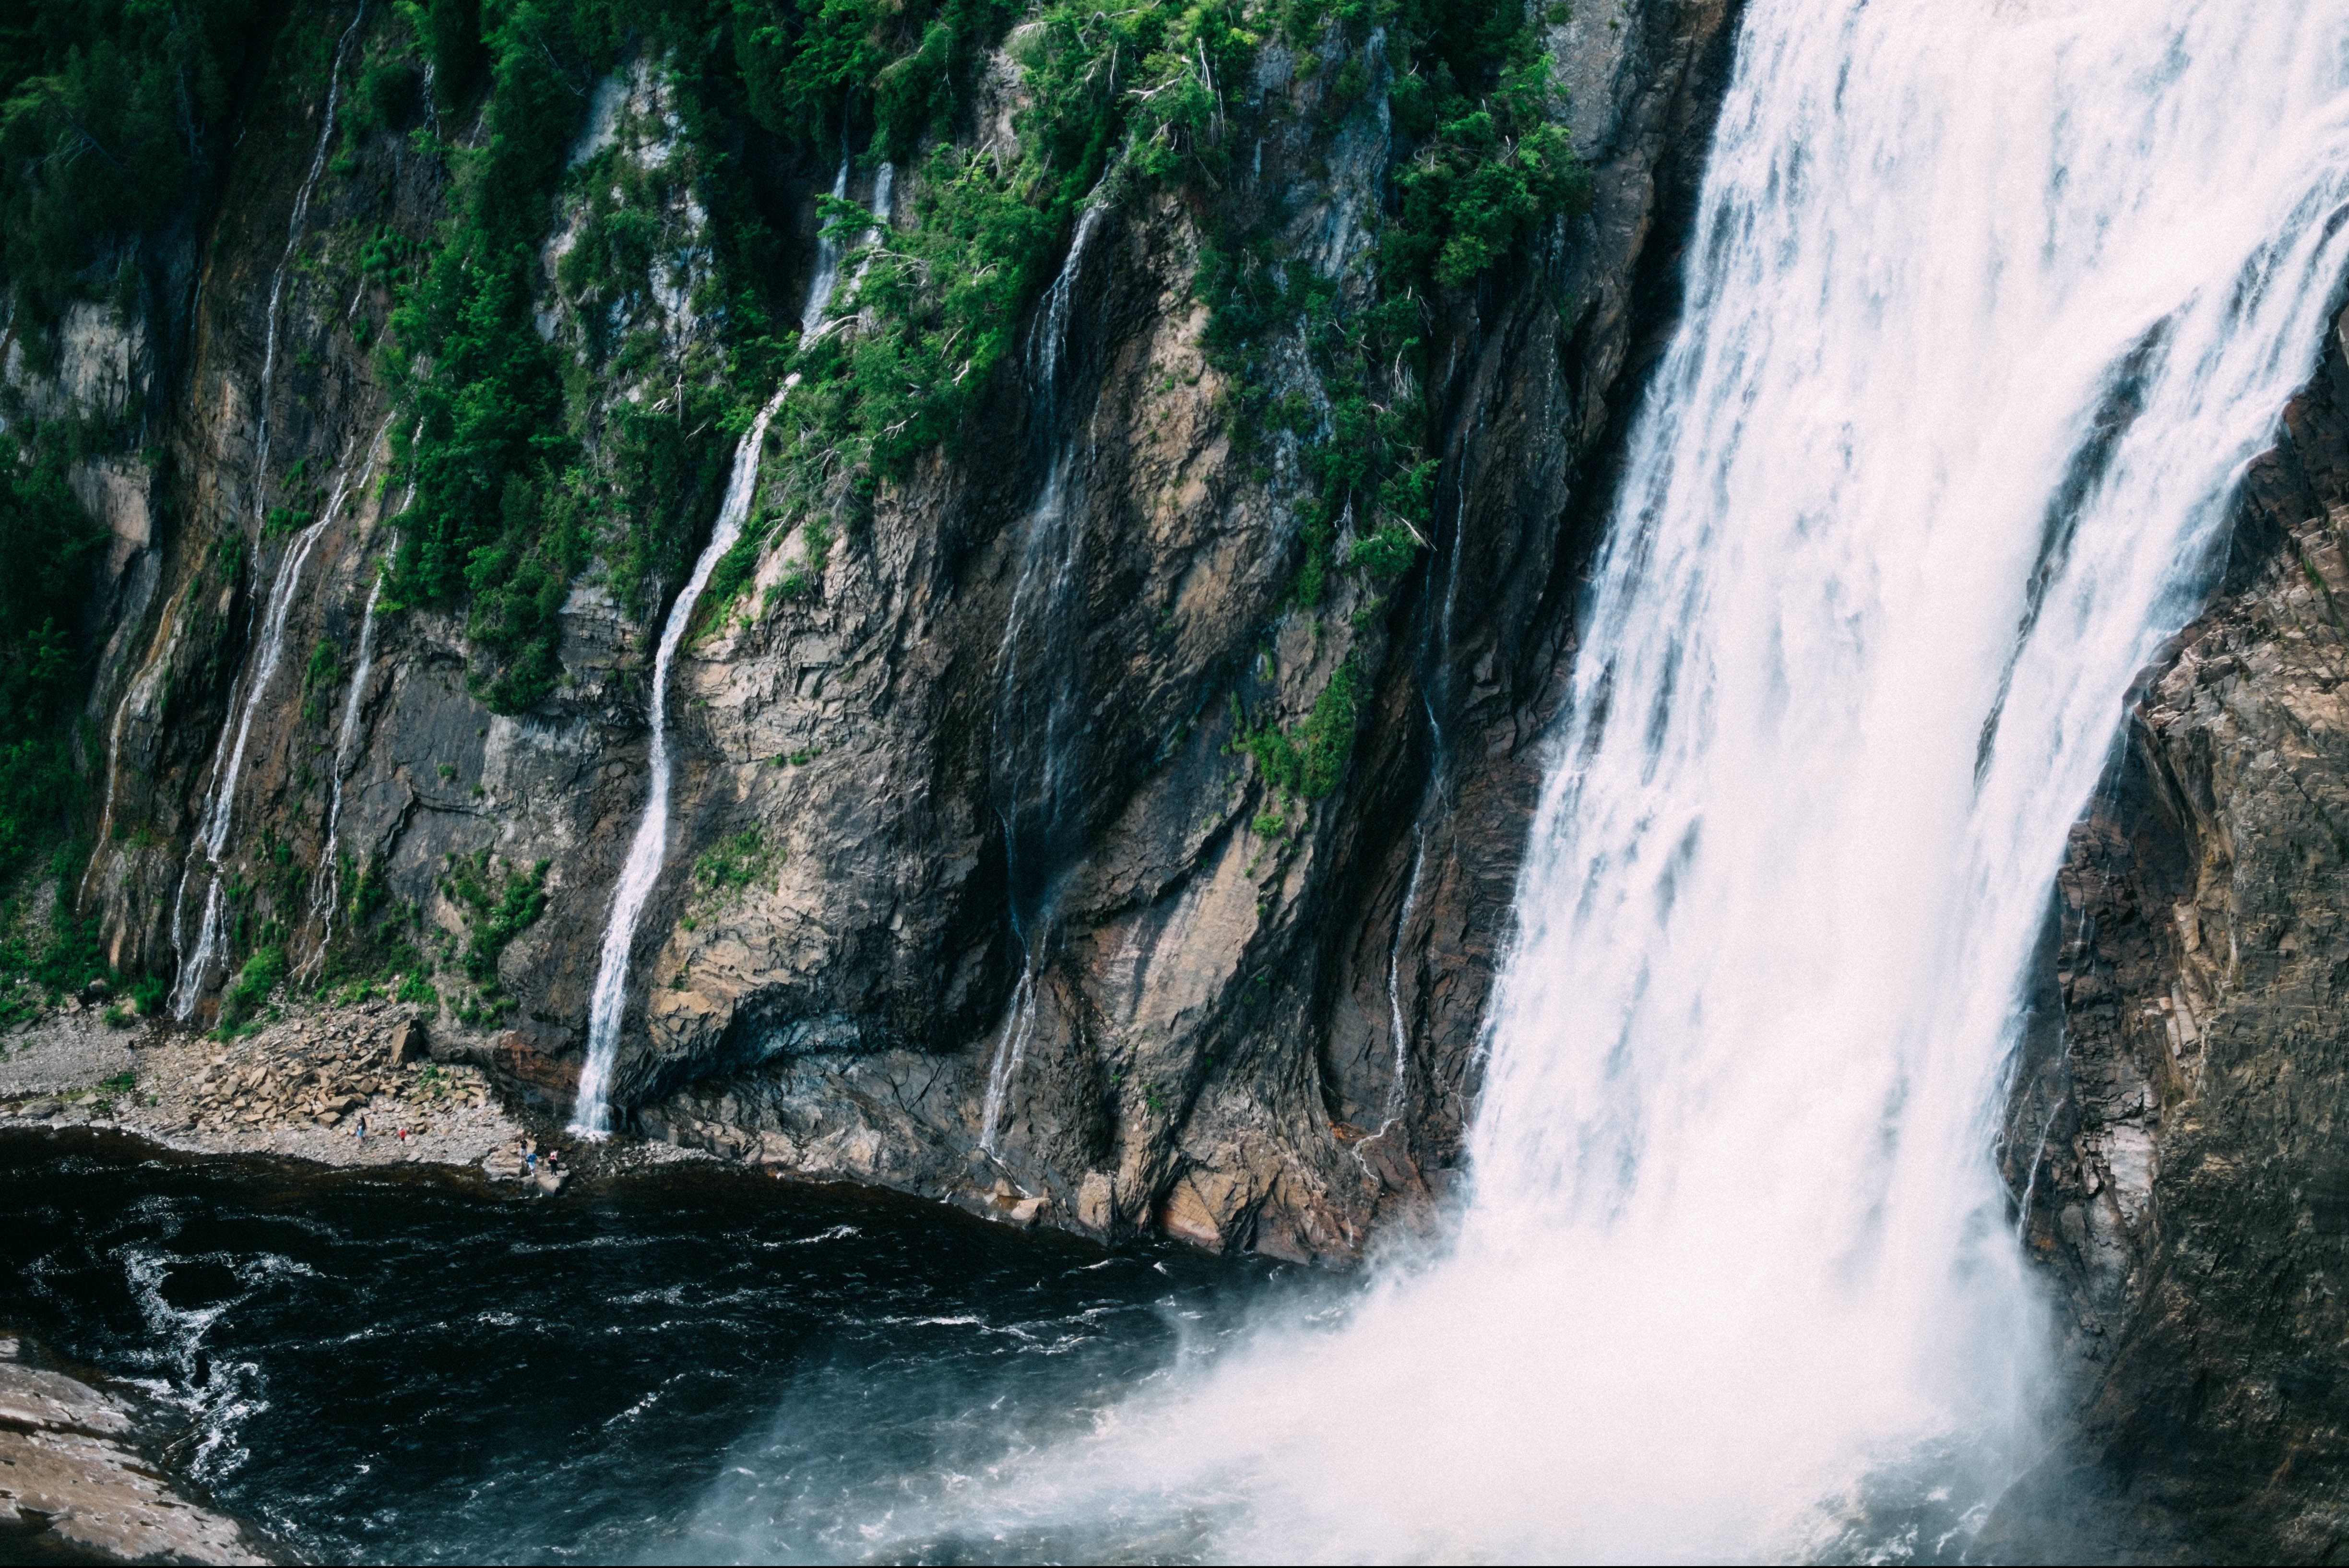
[[691, 1363]]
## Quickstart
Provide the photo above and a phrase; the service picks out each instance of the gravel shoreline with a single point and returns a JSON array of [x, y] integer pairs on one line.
[[300, 1088]]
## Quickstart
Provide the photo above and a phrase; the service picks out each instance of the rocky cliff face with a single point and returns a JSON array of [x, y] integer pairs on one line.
[[1178, 997], [2172, 1133]]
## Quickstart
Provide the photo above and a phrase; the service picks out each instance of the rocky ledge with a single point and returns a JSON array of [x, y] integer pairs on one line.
[[346, 1086], [364, 1085], [73, 1486]]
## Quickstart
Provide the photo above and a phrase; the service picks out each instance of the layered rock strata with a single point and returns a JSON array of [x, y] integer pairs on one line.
[[74, 1487]]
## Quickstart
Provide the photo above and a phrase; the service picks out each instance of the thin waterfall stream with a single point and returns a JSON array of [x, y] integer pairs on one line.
[[212, 837], [828, 254], [327, 885], [221, 802], [1037, 682], [590, 1115]]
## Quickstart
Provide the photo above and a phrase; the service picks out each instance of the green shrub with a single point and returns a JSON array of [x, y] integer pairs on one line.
[[1309, 764], [501, 901], [1387, 553], [732, 863], [261, 974]]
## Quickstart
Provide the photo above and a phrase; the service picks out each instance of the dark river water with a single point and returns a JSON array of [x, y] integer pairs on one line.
[[690, 1364]]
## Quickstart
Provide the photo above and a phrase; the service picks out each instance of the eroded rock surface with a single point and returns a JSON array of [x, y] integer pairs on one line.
[[74, 1488], [1248, 1021], [2176, 1129]]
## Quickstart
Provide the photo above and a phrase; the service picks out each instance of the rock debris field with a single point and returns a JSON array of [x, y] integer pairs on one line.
[[302, 1087]]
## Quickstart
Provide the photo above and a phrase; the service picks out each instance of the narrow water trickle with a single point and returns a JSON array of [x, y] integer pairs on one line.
[[327, 886], [292, 242], [1038, 689], [828, 254], [227, 761], [213, 832], [591, 1113], [1398, 1029]]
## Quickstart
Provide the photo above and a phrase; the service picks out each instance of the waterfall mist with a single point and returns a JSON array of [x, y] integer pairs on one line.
[[1989, 307]]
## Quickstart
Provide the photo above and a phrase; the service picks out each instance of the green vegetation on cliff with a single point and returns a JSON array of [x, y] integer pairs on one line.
[[48, 549], [516, 494], [1479, 165], [111, 120], [49, 553]]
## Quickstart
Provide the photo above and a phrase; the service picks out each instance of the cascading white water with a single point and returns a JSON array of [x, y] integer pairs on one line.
[[591, 1113], [346, 737], [884, 185], [293, 241], [326, 884], [828, 252], [1034, 712], [213, 835], [1990, 306], [1398, 1029]]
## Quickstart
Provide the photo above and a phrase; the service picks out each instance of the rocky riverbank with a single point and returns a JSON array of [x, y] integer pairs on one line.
[[347, 1086], [365, 1084], [75, 1487]]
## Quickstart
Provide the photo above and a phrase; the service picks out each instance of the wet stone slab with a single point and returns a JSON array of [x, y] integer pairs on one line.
[[74, 1488]]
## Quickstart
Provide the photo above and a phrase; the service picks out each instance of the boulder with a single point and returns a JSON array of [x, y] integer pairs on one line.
[[408, 1044], [74, 1489]]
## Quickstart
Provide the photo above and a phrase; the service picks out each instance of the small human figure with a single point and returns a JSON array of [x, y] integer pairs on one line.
[[363, 1129]]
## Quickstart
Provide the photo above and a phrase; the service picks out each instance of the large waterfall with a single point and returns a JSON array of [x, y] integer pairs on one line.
[[1989, 307]]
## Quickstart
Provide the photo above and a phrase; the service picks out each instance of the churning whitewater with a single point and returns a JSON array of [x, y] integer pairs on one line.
[[1988, 305]]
